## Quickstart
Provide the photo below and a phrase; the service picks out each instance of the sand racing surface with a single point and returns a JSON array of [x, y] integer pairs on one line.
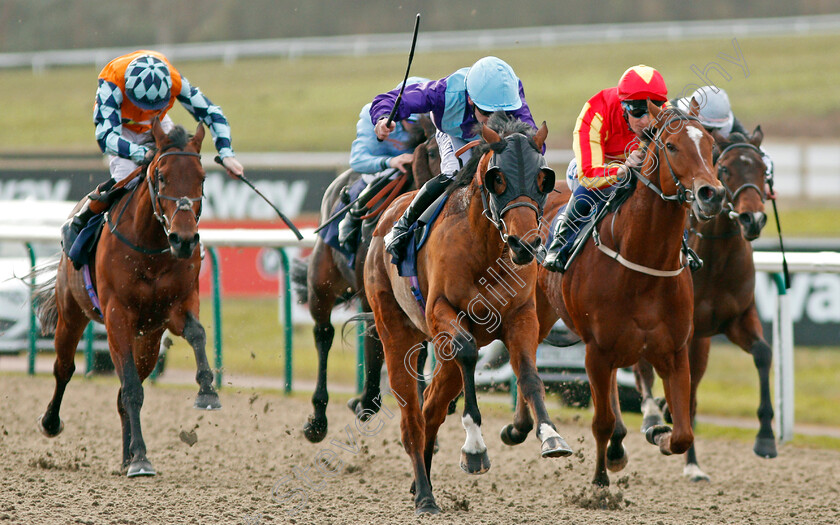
[[249, 463]]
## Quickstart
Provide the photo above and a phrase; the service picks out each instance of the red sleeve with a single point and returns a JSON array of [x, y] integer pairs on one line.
[[588, 139]]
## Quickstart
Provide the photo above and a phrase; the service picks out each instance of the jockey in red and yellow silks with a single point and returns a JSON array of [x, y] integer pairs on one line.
[[605, 140]]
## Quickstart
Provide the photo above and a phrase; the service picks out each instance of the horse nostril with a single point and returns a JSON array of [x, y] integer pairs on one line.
[[746, 219], [195, 239], [174, 239], [707, 194]]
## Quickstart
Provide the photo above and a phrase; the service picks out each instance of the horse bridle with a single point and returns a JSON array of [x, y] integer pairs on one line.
[[183, 203], [496, 217], [683, 195], [721, 169]]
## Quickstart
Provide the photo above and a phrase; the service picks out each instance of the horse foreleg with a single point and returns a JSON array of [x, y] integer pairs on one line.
[[207, 398], [68, 332], [616, 453], [674, 371], [444, 387], [651, 412], [698, 358], [746, 332], [461, 346], [600, 373], [520, 337]]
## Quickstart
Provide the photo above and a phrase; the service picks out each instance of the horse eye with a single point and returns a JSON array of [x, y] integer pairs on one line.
[[670, 147]]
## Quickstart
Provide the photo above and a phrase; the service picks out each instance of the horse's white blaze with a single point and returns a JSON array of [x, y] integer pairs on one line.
[[546, 432], [650, 408], [746, 159], [693, 472], [695, 134], [474, 443]]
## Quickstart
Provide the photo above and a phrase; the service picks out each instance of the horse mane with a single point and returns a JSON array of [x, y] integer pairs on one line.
[[505, 126], [178, 138]]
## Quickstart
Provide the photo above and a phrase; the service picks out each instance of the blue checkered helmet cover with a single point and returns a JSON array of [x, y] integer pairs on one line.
[[148, 83]]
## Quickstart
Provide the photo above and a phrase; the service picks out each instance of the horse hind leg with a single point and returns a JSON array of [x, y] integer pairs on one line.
[[651, 410], [698, 357], [315, 428], [616, 452], [365, 405], [132, 396], [207, 398], [68, 332], [515, 433]]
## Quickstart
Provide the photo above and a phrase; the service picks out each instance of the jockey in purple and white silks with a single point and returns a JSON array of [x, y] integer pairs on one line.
[[458, 103]]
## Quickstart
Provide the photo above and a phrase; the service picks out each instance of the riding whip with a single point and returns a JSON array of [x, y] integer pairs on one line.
[[379, 183], [781, 243], [407, 69], [288, 222]]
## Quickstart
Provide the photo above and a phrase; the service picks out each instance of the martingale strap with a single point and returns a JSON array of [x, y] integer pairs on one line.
[[596, 238]]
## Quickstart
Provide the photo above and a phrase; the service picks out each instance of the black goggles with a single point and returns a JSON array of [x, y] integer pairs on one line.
[[638, 108], [485, 113]]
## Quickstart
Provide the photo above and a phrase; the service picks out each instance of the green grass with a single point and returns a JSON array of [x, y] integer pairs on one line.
[[311, 104]]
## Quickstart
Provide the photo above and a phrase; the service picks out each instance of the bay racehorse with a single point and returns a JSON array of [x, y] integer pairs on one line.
[[724, 288], [327, 280], [628, 295], [477, 276], [144, 279]]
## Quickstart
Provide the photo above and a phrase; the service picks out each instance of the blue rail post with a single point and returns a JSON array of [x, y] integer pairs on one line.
[[287, 319], [33, 326], [217, 313], [513, 391]]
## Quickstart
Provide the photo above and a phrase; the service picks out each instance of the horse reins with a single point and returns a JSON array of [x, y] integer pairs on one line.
[[183, 203], [683, 195]]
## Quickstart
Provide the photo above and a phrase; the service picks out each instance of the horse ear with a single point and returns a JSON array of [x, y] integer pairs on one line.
[[654, 110], [428, 126], [539, 138], [719, 138], [757, 136], [157, 132], [694, 107], [198, 138], [489, 135]]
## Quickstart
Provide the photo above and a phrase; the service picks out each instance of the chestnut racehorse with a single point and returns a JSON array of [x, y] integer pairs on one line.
[[724, 288], [327, 280], [637, 300], [146, 277], [477, 275]]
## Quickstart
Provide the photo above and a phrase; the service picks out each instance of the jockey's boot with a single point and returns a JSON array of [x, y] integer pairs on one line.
[[558, 253], [349, 231], [397, 239], [96, 202]]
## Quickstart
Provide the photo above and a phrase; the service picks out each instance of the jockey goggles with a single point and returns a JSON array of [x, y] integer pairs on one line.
[[638, 108]]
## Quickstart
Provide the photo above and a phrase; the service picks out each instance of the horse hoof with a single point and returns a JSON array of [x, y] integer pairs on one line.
[[651, 421], [426, 506], [510, 436], [694, 474], [436, 449], [475, 462], [617, 464], [315, 430], [140, 468], [207, 401], [357, 407], [655, 435], [765, 447], [555, 447], [46, 432]]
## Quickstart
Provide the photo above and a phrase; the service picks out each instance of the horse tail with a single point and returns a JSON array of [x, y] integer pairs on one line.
[[43, 296], [300, 271], [361, 317]]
